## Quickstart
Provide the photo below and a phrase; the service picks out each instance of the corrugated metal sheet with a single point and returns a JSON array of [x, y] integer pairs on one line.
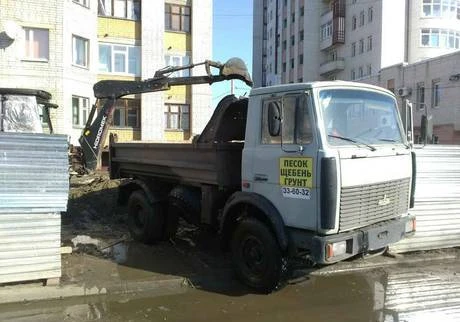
[[437, 200], [33, 173], [417, 296], [34, 188], [30, 246]]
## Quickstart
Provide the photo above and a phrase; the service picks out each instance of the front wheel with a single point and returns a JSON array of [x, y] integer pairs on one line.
[[256, 256]]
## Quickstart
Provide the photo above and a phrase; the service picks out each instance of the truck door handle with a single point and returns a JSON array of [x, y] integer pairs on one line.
[[260, 177]]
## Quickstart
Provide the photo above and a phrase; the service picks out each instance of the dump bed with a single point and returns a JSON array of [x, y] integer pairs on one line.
[[215, 164]]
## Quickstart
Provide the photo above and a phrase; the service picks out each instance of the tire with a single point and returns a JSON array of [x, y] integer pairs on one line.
[[256, 256], [145, 219], [185, 202]]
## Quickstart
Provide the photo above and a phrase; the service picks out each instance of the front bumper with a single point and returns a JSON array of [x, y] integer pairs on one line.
[[361, 241]]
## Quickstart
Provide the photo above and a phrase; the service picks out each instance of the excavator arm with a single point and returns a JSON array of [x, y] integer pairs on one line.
[[94, 133]]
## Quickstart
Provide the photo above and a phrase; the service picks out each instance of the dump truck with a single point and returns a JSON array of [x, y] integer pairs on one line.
[[321, 171]]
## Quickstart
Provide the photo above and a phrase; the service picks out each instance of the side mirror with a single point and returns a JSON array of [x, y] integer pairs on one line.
[[407, 118], [426, 129], [274, 119]]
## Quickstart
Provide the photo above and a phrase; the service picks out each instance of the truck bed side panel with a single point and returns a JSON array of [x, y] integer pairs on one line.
[[214, 163]]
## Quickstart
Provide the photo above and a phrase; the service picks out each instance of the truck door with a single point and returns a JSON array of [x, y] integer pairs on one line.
[[284, 159]]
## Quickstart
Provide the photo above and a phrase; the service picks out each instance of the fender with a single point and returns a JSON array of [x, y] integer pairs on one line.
[[127, 187], [268, 212]]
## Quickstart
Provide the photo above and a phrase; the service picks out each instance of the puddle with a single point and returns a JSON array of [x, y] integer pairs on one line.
[[411, 294]]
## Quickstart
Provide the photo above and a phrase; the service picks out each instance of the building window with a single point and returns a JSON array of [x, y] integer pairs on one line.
[[302, 11], [177, 117], [420, 96], [440, 38], [79, 51], [301, 59], [120, 59], [353, 74], [292, 40], [353, 49], [369, 70], [369, 43], [292, 63], [435, 94], [448, 8], [361, 18], [36, 43], [361, 46], [370, 14], [360, 72], [80, 110], [176, 60], [127, 113], [177, 18], [284, 45], [353, 23], [84, 3], [326, 31], [293, 17], [125, 9], [284, 67], [301, 35], [284, 23], [391, 85]]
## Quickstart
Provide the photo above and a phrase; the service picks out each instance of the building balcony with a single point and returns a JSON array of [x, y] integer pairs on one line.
[[332, 66]]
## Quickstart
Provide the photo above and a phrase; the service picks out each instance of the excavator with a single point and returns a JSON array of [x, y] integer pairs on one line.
[[94, 133]]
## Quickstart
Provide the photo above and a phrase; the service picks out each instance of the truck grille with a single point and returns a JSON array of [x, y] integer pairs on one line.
[[367, 204]]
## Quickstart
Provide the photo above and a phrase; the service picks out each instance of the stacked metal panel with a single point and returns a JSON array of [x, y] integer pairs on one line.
[[437, 199], [34, 187]]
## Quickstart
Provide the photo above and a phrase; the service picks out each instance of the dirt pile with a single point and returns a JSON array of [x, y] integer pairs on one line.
[[93, 210]]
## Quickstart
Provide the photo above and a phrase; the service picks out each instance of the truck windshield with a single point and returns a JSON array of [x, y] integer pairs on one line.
[[354, 115]]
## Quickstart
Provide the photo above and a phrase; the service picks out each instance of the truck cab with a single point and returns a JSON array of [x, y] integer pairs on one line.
[[333, 160]]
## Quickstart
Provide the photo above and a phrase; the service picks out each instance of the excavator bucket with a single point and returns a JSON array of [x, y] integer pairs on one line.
[[235, 67]]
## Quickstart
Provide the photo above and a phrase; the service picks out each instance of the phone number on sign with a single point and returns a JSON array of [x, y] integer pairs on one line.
[[299, 193]]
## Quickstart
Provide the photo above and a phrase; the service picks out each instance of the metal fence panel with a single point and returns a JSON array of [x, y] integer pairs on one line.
[[34, 175], [437, 199], [30, 246]]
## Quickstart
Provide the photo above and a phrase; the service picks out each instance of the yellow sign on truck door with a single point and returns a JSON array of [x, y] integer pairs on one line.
[[296, 177]]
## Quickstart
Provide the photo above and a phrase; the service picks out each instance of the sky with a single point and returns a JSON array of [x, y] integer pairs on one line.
[[232, 37]]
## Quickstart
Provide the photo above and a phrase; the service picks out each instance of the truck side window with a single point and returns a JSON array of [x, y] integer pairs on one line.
[[296, 121]]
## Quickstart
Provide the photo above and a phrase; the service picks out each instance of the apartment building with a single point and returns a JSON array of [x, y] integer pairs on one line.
[[64, 47], [408, 46], [298, 40], [432, 85]]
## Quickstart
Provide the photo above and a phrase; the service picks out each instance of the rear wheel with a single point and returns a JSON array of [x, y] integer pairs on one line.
[[256, 256], [145, 219]]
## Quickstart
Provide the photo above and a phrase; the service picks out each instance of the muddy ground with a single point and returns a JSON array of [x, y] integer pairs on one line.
[[94, 223]]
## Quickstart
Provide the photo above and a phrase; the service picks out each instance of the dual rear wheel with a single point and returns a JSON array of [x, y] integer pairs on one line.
[[256, 256]]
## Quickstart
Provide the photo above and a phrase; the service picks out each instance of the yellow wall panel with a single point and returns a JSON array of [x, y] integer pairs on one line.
[[116, 77], [118, 28], [124, 135], [177, 136], [178, 94], [179, 42]]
